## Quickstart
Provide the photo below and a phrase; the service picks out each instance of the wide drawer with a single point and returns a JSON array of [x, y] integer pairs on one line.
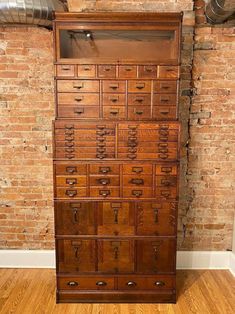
[[65, 70], [114, 99], [85, 283], [137, 192], [114, 86], [137, 180], [68, 169], [73, 181], [136, 86], [164, 113], [104, 192], [79, 99], [114, 112], [79, 112], [104, 169], [139, 112], [104, 181], [70, 193], [139, 100], [146, 283], [82, 86], [166, 87]]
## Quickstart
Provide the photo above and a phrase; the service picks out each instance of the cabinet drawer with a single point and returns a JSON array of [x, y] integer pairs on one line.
[[65, 70], [85, 283], [79, 99], [139, 86], [103, 192], [137, 180], [164, 113], [166, 181], [69, 169], [86, 70], [78, 86], [75, 218], [169, 71], [114, 99], [137, 169], [73, 181], [104, 169], [138, 192], [164, 169], [132, 283], [76, 255], [115, 256], [156, 255], [104, 181], [147, 71], [114, 112], [164, 100], [107, 71], [165, 87], [116, 218], [114, 86], [139, 100], [158, 219], [127, 71], [79, 112], [70, 193], [166, 193], [139, 112]]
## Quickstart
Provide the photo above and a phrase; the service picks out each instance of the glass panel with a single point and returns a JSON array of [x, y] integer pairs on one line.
[[118, 45]]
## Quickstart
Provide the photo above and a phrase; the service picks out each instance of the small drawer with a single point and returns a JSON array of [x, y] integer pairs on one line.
[[166, 169], [114, 112], [137, 181], [104, 192], [74, 181], [169, 71], [65, 70], [80, 112], [78, 86], [139, 86], [139, 100], [147, 71], [88, 99], [166, 87], [114, 86], [164, 113], [104, 181], [146, 283], [67, 193], [166, 193], [166, 181], [114, 99], [104, 169], [137, 193], [86, 70], [137, 169], [85, 283], [127, 71], [61, 169], [164, 99], [139, 112], [107, 71]]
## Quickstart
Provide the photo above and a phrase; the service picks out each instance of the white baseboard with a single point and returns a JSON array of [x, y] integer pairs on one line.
[[185, 259]]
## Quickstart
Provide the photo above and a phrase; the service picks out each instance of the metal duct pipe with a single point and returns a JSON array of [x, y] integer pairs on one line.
[[39, 12], [218, 11]]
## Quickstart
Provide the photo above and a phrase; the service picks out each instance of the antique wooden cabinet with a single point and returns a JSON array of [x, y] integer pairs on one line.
[[116, 156]]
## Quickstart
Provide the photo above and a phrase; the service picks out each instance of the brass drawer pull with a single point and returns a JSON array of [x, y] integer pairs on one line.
[[114, 111], [128, 69], [114, 86], [100, 150], [101, 127], [114, 99], [166, 169], [163, 132], [137, 169], [71, 193], [72, 283], [139, 112], [104, 169], [149, 70], [69, 144], [170, 70], [69, 126], [163, 156], [132, 150], [86, 68], [78, 86], [69, 132], [65, 68], [165, 194], [101, 133], [131, 284], [69, 138], [104, 193], [137, 193], [163, 144], [132, 127], [101, 283], [165, 182], [107, 69], [159, 283], [79, 110], [101, 156], [164, 87], [164, 127], [69, 150], [71, 181], [165, 112], [100, 139], [163, 138], [139, 99], [78, 99], [70, 156], [132, 144], [164, 99], [101, 144], [132, 156], [137, 181], [103, 181], [163, 150], [132, 138], [140, 86], [71, 169]]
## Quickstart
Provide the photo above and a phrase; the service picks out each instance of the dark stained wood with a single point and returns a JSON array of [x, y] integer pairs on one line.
[[116, 156]]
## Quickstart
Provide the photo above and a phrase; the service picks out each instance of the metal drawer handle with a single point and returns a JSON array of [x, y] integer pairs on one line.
[[114, 99], [164, 99], [101, 283], [114, 86], [170, 70], [71, 193], [165, 182], [132, 144], [114, 111], [72, 283], [104, 169], [139, 99], [131, 284], [69, 126], [163, 132], [137, 181], [100, 156], [78, 86], [104, 193], [137, 169], [87, 69], [71, 181], [71, 169], [163, 138], [78, 98], [107, 69], [69, 132], [149, 69], [139, 112], [132, 150], [165, 193], [163, 150], [137, 193], [132, 156], [163, 156], [160, 283], [69, 144], [128, 69], [79, 110], [165, 112], [104, 181], [70, 156], [65, 68], [132, 127], [69, 138], [69, 150], [166, 169], [140, 86]]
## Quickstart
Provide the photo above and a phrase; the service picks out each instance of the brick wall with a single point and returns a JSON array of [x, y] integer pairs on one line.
[[26, 104]]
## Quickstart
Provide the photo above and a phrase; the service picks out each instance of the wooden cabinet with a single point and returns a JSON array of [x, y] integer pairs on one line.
[[116, 156]]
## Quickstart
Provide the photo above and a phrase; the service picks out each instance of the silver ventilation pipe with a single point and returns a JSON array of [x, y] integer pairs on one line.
[[39, 12], [218, 11]]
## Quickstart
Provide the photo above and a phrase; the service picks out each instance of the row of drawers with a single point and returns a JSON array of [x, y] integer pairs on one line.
[[150, 256], [122, 282], [117, 71], [115, 218]]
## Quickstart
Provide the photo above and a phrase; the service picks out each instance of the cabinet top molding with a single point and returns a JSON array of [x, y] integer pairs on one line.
[[130, 17]]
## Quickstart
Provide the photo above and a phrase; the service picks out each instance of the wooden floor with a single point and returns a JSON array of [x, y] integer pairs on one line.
[[32, 291]]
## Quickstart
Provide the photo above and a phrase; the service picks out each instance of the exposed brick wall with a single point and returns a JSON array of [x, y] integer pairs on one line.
[[26, 104]]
